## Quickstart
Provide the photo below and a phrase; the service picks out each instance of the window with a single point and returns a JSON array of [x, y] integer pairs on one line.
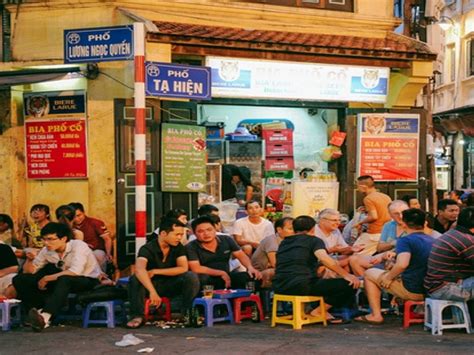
[[470, 58], [338, 5]]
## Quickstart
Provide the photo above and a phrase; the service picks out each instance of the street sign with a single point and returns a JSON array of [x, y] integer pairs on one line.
[[177, 80], [98, 44]]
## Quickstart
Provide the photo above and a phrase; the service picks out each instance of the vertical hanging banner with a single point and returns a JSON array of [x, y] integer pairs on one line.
[[183, 158], [388, 146]]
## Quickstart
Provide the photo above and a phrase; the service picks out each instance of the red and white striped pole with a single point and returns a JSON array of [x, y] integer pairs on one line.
[[140, 135]]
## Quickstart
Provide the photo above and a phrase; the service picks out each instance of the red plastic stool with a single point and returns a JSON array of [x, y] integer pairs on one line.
[[165, 302], [410, 317], [240, 314]]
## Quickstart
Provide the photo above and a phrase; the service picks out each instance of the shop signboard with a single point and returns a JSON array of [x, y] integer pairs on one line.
[[178, 81], [56, 148], [246, 78], [86, 45], [54, 104], [183, 158], [388, 146]]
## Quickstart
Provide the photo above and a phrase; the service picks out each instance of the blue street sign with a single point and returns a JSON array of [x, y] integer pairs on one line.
[[177, 80], [98, 44]]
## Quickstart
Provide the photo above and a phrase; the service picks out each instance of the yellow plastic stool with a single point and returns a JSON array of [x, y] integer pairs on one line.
[[299, 318]]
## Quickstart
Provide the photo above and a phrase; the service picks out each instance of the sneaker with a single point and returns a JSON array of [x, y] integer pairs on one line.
[[36, 320]]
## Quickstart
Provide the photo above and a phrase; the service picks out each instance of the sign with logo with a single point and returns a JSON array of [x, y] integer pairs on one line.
[[102, 44], [54, 103], [183, 158], [388, 146], [56, 149], [245, 78], [179, 81]]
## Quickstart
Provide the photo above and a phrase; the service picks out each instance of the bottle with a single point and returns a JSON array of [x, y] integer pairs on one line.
[[287, 202]]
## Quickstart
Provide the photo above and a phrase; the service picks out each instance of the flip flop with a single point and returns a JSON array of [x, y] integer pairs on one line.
[[338, 320], [364, 319], [135, 323]]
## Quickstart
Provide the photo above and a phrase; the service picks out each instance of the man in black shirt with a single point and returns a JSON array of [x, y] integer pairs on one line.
[[209, 257], [8, 267], [161, 269], [448, 211], [298, 257]]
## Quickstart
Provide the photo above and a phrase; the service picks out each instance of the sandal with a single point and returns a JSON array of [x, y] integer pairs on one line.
[[364, 319], [338, 320], [135, 323]]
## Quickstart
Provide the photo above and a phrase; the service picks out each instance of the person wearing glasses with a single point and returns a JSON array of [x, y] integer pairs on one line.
[[328, 230], [63, 266]]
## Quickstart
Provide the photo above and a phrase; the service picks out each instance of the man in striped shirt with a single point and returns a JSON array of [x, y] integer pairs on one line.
[[450, 273]]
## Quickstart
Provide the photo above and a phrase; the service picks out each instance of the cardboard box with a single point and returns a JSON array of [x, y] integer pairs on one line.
[[274, 136], [279, 164], [279, 150]]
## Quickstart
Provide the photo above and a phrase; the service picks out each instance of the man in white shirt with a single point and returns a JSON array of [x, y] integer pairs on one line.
[[250, 231], [63, 266]]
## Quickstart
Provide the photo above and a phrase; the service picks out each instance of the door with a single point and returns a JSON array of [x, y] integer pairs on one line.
[[125, 173]]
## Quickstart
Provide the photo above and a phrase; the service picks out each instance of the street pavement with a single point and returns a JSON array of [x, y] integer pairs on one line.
[[245, 338]]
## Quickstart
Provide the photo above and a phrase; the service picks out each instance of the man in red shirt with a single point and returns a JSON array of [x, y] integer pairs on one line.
[[96, 235]]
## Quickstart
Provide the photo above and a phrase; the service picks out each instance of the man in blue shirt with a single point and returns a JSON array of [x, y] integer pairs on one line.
[[405, 279]]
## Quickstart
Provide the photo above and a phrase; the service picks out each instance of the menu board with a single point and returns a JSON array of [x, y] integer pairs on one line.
[[388, 146], [183, 158], [56, 148]]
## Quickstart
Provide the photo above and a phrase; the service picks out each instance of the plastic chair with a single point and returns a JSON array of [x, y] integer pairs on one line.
[[240, 314], [209, 305], [109, 307], [410, 317], [6, 319], [434, 316], [299, 318], [165, 302]]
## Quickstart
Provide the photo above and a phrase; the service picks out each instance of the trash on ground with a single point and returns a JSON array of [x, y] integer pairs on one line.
[[128, 340]]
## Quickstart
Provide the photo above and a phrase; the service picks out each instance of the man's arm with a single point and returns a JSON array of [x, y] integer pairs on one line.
[[196, 267], [385, 246], [108, 244], [180, 268], [333, 265], [142, 275], [402, 262], [372, 216], [245, 261], [242, 241], [272, 259], [8, 270]]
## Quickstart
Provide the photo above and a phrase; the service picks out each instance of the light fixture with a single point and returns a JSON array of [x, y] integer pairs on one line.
[[446, 23], [462, 142]]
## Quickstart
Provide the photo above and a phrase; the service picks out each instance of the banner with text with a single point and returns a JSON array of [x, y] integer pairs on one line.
[[56, 149], [183, 158], [59, 104], [388, 146]]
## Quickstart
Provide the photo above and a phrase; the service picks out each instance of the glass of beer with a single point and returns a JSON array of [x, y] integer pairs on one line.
[[207, 291]]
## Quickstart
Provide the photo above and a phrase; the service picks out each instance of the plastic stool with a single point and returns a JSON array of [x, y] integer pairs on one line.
[[6, 320], [109, 307], [247, 313], [434, 316], [164, 302], [123, 281], [209, 304], [299, 318], [410, 317]]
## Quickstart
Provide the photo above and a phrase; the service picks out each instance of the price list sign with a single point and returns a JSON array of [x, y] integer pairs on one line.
[[56, 148], [388, 146]]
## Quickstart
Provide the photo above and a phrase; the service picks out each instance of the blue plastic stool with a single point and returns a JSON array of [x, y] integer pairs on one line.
[[209, 304], [109, 307], [71, 311], [6, 319], [123, 281]]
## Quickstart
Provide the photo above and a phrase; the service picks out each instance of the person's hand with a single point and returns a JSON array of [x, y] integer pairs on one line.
[[155, 300], [43, 282], [151, 273], [109, 257], [226, 279], [389, 255], [257, 275], [376, 259], [353, 280], [254, 245], [357, 248], [31, 254], [385, 281]]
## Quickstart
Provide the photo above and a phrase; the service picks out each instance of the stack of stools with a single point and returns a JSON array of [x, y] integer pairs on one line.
[[166, 315], [409, 316], [298, 318], [6, 319], [109, 308], [434, 316], [209, 304], [246, 313]]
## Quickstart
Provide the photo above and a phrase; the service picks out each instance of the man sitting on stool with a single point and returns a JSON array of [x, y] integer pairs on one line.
[[161, 269], [405, 278]]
